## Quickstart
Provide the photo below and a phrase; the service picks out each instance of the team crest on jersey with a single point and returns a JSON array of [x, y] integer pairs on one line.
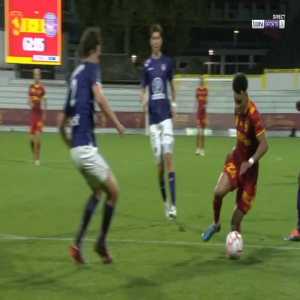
[[158, 89], [163, 67], [157, 85]]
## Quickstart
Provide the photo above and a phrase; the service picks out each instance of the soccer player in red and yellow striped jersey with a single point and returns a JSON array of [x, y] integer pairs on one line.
[[37, 103], [241, 167], [201, 98]]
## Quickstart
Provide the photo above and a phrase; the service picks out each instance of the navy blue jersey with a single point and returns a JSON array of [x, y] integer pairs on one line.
[[157, 73], [79, 105]]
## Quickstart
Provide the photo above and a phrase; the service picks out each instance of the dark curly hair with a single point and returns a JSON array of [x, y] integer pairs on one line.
[[240, 83]]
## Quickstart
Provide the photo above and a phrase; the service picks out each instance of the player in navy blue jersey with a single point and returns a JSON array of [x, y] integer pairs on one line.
[[86, 89], [157, 74]]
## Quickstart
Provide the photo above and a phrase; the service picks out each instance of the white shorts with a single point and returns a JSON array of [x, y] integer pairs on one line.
[[91, 164], [162, 139]]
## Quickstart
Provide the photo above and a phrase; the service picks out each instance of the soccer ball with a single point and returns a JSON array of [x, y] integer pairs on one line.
[[234, 244]]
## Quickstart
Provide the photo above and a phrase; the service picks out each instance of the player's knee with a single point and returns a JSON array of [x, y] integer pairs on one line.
[[169, 161], [200, 131], [97, 194], [114, 194], [160, 168], [219, 192]]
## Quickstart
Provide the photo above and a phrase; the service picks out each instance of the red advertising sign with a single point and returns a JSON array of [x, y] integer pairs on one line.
[[33, 31]]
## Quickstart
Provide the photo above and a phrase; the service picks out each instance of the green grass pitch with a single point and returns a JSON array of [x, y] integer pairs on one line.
[[154, 258]]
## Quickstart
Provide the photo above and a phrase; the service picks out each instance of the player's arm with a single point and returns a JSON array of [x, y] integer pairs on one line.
[[173, 97], [44, 108], [29, 102], [173, 93], [63, 123], [144, 98], [260, 152], [196, 103], [172, 87], [105, 107], [262, 147], [144, 89]]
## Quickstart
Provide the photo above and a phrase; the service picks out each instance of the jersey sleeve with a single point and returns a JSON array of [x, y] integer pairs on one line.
[[257, 121], [95, 75]]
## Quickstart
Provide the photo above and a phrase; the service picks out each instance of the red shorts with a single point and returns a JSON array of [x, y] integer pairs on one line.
[[201, 119], [36, 125], [245, 185]]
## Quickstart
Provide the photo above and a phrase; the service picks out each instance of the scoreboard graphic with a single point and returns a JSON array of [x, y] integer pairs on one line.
[[278, 22], [33, 31]]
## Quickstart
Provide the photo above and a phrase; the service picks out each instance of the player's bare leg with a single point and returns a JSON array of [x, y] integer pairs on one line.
[[112, 192], [222, 188], [236, 220], [200, 142], [37, 148], [32, 144], [168, 158]]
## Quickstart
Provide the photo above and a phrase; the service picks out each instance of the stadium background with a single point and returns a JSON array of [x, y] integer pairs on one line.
[[191, 31]]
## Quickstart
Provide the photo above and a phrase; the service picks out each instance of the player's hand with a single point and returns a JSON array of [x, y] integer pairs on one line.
[[121, 129], [145, 106], [245, 166]]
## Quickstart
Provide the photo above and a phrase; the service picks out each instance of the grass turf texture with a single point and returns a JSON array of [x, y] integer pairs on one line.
[[154, 258]]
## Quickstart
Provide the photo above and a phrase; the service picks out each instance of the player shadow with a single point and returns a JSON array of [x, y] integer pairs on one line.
[[55, 275], [197, 266], [257, 256], [38, 280], [147, 288]]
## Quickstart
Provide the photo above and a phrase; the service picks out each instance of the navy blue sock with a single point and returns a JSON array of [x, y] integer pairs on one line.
[[162, 185], [86, 218], [172, 187], [298, 207], [107, 217]]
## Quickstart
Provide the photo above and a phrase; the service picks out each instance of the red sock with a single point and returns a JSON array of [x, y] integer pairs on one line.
[[217, 205]]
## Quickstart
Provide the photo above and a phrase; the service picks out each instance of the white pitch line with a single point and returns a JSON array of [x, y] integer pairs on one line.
[[12, 237]]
